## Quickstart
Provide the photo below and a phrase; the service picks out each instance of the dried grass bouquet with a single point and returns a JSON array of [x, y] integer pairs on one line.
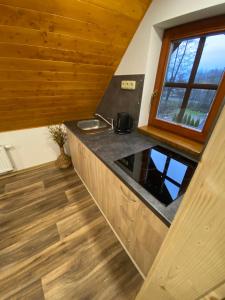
[[58, 134]]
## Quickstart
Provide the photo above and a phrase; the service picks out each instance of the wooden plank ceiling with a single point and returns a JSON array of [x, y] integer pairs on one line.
[[57, 56]]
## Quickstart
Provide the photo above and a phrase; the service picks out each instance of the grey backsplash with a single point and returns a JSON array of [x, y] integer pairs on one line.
[[117, 100]]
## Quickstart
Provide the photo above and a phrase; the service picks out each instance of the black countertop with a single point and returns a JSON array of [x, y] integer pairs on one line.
[[109, 147]]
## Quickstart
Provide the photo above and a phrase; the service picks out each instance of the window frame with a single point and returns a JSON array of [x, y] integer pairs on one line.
[[200, 28]]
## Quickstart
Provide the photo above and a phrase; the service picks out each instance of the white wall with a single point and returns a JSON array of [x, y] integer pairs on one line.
[[30, 147], [143, 52]]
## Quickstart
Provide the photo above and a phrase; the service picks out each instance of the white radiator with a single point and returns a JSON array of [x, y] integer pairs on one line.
[[5, 163]]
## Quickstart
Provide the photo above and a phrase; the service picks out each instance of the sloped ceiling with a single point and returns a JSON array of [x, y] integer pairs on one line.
[[57, 56]]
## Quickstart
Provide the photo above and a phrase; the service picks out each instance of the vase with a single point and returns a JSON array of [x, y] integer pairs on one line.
[[63, 161]]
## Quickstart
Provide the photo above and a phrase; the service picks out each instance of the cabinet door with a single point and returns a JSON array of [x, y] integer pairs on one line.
[[91, 170], [139, 229], [73, 145], [122, 210], [150, 232], [95, 178]]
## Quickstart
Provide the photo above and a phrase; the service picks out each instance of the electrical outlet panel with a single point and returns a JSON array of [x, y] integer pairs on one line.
[[128, 84]]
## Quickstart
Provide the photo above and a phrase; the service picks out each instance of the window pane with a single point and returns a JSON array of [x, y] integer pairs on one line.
[[181, 60], [212, 63], [170, 103], [199, 105]]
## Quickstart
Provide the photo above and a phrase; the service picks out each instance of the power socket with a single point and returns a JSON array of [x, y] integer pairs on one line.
[[128, 84]]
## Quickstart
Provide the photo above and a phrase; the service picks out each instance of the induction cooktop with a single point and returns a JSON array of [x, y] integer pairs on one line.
[[162, 172]]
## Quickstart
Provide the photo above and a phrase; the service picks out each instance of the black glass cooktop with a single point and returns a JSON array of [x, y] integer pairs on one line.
[[164, 173]]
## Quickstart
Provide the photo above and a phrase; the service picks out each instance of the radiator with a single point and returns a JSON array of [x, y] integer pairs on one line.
[[5, 163]]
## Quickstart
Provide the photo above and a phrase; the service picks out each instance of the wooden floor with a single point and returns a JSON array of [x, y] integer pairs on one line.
[[54, 242]]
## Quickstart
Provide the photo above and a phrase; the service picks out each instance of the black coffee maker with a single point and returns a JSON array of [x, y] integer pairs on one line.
[[123, 123]]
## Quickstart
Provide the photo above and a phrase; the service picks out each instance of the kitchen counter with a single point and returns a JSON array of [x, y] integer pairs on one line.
[[109, 147]]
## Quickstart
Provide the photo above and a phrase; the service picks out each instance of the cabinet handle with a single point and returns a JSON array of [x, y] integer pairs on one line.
[[127, 196]]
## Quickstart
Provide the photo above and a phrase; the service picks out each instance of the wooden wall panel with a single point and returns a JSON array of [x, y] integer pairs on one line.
[[57, 57]]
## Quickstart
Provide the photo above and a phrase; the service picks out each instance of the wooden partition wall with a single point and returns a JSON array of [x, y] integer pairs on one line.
[[191, 262], [57, 56]]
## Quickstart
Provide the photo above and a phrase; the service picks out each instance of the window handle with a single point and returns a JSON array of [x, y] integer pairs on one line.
[[154, 95]]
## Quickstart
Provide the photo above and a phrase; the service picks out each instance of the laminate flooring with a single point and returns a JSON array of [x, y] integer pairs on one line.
[[54, 242]]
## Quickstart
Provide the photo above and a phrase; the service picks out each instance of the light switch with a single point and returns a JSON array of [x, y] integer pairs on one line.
[[128, 84]]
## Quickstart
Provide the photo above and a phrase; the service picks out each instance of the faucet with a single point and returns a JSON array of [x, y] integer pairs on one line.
[[104, 119]]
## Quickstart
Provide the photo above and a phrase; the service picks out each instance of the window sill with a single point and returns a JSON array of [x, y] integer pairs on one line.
[[173, 139]]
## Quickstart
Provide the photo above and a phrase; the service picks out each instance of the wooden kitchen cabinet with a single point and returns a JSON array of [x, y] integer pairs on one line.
[[139, 230], [90, 169]]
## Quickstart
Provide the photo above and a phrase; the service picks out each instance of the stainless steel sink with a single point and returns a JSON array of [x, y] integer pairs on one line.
[[92, 125]]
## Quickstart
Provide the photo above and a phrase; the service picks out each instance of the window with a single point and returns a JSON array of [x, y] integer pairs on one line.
[[190, 83]]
